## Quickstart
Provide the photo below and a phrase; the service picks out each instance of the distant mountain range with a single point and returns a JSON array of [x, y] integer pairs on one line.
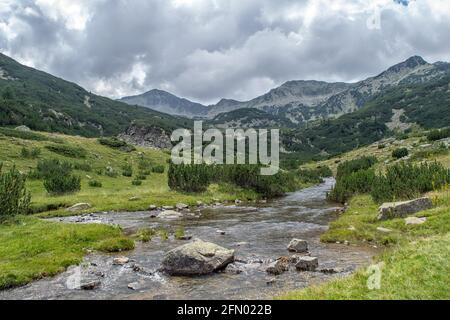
[[317, 119], [298, 102]]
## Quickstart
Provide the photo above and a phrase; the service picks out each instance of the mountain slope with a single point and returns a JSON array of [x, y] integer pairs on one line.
[[43, 102], [305, 101], [424, 104], [163, 101]]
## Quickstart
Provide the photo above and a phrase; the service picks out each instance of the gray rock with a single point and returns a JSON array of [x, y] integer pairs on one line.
[[152, 207], [197, 258], [415, 221], [233, 269], [384, 230], [170, 214], [298, 246], [402, 209], [22, 128], [168, 207], [120, 261], [89, 284], [182, 206], [79, 207], [278, 267], [136, 286], [221, 232], [307, 264]]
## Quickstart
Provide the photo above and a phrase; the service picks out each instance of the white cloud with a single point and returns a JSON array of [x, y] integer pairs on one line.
[[209, 49]]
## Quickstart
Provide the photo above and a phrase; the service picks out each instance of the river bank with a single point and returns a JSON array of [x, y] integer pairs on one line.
[[259, 234]]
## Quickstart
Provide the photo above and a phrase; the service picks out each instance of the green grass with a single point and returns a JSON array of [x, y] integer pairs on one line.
[[115, 192], [416, 259], [32, 249], [416, 271]]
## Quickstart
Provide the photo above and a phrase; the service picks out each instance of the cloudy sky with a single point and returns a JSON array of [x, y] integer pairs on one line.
[[208, 49]]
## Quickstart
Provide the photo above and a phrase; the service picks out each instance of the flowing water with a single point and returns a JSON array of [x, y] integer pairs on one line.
[[259, 235]]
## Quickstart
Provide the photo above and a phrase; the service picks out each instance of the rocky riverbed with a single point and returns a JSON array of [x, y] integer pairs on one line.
[[258, 235]]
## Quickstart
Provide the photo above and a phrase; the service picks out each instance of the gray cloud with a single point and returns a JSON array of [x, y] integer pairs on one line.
[[208, 49]]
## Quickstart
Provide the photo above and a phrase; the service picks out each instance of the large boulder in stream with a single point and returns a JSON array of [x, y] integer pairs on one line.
[[197, 258]]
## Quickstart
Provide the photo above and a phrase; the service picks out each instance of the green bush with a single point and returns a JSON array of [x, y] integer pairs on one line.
[[136, 182], [127, 170], [24, 135], [438, 134], [189, 178], [86, 167], [46, 167], [158, 169], [115, 143], [14, 197], [58, 177], [358, 182], [110, 172], [353, 177], [197, 178], [30, 154], [95, 184], [60, 184], [67, 151], [348, 167], [407, 181], [400, 153]]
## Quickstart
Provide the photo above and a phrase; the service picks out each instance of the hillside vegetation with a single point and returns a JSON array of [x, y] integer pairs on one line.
[[415, 262], [46, 103]]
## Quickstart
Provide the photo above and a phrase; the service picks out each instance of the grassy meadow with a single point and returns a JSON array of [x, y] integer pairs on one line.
[[415, 262]]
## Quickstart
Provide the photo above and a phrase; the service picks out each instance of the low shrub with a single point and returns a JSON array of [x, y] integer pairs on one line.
[[438, 134], [110, 172], [24, 135], [86, 167], [158, 169], [400, 153], [127, 170], [347, 186], [14, 197], [95, 184], [67, 150], [136, 182], [30, 153], [116, 143], [46, 167], [348, 167], [58, 177], [59, 184], [407, 181]]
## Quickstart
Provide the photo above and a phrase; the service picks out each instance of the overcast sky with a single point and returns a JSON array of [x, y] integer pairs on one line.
[[205, 50]]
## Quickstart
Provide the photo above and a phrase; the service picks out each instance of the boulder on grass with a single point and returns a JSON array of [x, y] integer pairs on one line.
[[299, 246], [79, 207], [197, 258], [395, 210]]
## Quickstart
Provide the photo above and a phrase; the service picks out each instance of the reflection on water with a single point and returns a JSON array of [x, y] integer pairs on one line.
[[256, 233]]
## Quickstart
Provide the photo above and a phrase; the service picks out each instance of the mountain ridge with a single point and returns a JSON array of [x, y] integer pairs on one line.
[[297, 102]]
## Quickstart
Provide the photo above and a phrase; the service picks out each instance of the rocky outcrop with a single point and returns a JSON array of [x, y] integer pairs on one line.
[[395, 210], [148, 137], [197, 258]]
